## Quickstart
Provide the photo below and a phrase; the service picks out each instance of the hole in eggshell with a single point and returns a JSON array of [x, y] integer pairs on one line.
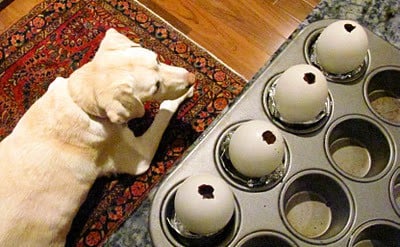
[[206, 191], [349, 27], [269, 137], [309, 78]]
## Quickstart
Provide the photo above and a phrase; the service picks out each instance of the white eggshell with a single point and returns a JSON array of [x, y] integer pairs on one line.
[[342, 47], [201, 211], [297, 98], [256, 148]]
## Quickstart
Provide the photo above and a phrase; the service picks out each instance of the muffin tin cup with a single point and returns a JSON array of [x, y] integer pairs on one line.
[[231, 175], [266, 239], [313, 125], [394, 190], [376, 233], [178, 236], [316, 206], [311, 58], [382, 93], [339, 184], [359, 148]]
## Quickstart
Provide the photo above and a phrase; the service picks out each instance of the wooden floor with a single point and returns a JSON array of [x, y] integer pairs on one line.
[[241, 33]]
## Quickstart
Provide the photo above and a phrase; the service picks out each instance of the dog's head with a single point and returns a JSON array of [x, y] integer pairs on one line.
[[123, 75]]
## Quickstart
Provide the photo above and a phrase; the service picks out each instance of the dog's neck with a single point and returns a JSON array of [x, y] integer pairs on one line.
[[94, 129], [82, 93]]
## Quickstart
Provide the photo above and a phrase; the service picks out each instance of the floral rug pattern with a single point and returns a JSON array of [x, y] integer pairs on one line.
[[59, 36]]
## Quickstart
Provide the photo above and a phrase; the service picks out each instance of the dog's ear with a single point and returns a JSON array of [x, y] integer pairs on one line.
[[121, 110], [113, 40]]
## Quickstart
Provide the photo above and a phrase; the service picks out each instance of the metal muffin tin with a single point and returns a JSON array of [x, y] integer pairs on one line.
[[317, 198]]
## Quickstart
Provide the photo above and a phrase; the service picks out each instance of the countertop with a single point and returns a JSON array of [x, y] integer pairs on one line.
[[381, 17]]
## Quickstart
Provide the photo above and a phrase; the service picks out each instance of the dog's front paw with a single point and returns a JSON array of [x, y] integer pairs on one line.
[[189, 93], [124, 105], [117, 113], [172, 105]]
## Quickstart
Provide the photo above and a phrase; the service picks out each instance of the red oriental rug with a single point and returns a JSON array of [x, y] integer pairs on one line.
[[59, 36]]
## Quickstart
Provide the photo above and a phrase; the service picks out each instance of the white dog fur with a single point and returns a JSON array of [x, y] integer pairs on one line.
[[77, 132]]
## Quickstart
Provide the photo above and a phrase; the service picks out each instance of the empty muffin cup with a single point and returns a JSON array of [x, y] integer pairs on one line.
[[266, 239], [310, 55], [382, 93], [234, 177], [178, 235], [359, 148], [270, 107], [316, 206], [395, 191], [377, 233]]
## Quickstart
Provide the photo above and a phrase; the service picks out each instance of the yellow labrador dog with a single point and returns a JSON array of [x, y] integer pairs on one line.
[[76, 132]]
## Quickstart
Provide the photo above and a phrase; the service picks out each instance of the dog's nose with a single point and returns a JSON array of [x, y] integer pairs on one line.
[[191, 78]]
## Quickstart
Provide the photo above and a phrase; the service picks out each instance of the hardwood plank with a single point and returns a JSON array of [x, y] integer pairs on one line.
[[242, 37], [241, 33], [14, 11], [296, 9], [312, 2]]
